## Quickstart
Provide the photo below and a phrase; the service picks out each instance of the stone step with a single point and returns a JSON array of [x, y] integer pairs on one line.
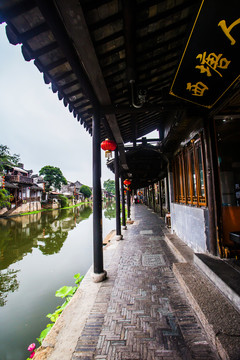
[[182, 252], [222, 274], [218, 316]]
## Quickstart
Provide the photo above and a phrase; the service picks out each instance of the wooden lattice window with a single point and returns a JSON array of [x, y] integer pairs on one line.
[[189, 174]]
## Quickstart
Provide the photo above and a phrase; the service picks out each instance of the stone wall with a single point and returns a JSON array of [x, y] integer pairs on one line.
[[3, 211], [28, 207], [191, 225], [54, 205]]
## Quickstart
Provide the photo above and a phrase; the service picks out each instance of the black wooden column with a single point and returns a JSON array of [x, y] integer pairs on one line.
[[153, 198], [99, 274], [167, 198], [117, 196], [123, 205], [160, 197], [128, 205], [213, 187]]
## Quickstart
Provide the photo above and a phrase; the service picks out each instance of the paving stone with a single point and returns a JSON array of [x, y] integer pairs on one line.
[[141, 311]]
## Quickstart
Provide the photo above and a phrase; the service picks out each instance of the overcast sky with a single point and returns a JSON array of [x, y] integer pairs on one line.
[[36, 125]]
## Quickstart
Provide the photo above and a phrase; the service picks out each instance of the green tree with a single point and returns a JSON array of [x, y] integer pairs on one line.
[[6, 159], [63, 200], [4, 198], [86, 191], [53, 176], [109, 185]]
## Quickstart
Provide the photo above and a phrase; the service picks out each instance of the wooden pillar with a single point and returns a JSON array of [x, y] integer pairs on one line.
[[212, 187], [117, 197], [167, 197], [98, 273], [160, 197], [123, 204], [128, 205], [153, 198]]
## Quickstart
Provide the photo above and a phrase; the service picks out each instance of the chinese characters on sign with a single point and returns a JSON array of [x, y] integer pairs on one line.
[[226, 30], [209, 65], [213, 62], [197, 89]]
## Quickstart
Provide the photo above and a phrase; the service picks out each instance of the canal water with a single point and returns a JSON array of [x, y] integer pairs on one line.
[[40, 253]]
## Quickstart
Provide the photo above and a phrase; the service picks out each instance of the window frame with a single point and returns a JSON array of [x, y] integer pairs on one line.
[[186, 165]]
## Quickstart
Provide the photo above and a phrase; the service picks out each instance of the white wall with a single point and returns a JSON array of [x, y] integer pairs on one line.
[[190, 224]]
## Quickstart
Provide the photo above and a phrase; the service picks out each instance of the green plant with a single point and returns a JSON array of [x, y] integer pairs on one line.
[[63, 200], [66, 292], [86, 191], [53, 176], [4, 198], [6, 159], [109, 185]]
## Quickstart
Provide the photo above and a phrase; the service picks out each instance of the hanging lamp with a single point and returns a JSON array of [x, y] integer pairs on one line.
[[108, 146]]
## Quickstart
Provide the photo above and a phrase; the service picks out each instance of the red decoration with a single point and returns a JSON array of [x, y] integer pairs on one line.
[[108, 146], [127, 182]]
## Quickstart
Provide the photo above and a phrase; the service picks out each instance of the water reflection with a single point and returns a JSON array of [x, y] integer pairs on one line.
[[8, 283], [40, 253], [46, 231], [110, 211]]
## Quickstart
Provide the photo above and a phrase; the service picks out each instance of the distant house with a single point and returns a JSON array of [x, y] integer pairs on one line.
[[25, 195], [73, 189], [38, 180], [107, 195]]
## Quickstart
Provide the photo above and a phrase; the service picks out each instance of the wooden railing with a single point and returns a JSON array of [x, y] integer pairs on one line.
[[19, 179]]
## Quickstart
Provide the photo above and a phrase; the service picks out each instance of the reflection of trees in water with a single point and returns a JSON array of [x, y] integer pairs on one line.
[[53, 242], [85, 213], [56, 231], [8, 282], [110, 211], [16, 240], [46, 231]]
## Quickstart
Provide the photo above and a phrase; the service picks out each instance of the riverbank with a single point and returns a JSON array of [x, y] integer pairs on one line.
[[61, 340], [151, 305], [39, 254], [63, 208], [3, 216]]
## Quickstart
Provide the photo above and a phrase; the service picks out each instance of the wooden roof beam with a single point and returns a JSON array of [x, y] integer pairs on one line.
[[16, 10], [89, 61], [129, 8], [51, 16], [144, 109], [167, 13]]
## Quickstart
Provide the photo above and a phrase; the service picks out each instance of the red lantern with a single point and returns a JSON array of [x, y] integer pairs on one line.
[[108, 146], [127, 182], [3, 181]]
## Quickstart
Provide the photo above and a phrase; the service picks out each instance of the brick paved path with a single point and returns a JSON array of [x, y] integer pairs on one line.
[[140, 311]]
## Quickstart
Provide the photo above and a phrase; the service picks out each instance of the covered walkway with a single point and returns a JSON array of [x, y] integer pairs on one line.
[[140, 311]]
